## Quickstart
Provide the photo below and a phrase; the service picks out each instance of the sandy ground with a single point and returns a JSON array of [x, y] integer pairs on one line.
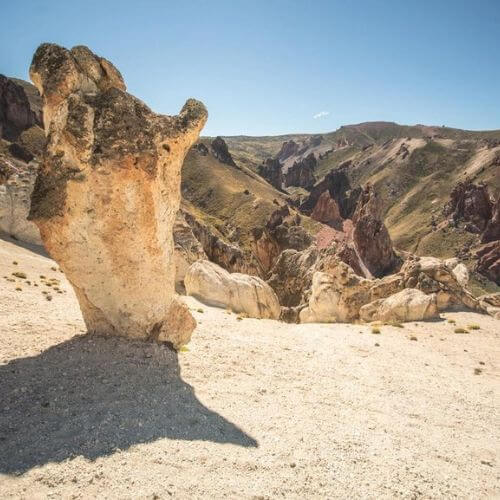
[[254, 408]]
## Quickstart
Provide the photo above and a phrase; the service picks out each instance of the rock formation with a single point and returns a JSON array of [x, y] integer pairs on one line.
[[492, 230], [239, 292], [16, 114], [301, 173], [270, 170], [221, 151], [227, 255], [470, 203], [107, 194], [187, 249], [407, 305], [327, 211], [370, 236], [338, 185], [488, 260]]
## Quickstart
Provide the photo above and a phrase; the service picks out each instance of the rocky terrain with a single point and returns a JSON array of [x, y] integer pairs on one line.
[[254, 408], [375, 229]]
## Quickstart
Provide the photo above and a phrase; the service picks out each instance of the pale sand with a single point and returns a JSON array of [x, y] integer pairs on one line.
[[254, 408]]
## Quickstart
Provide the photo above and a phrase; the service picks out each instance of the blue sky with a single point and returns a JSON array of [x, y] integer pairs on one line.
[[276, 67]]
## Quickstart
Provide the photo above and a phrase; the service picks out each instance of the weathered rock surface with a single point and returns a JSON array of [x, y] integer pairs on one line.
[[492, 230], [488, 260], [16, 114], [227, 255], [370, 236], [407, 305], [241, 293], [301, 173], [15, 194], [470, 203], [491, 304], [107, 194], [221, 152], [270, 170], [338, 185], [327, 211], [186, 247]]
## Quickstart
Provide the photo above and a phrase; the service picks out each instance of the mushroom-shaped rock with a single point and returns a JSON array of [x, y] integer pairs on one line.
[[241, 293], [107, 194], [409, 304]]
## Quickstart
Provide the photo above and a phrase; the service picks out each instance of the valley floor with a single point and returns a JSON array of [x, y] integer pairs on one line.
[[253, 408]]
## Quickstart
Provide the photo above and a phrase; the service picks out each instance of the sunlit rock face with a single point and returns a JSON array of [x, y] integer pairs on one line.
[[107, 194]]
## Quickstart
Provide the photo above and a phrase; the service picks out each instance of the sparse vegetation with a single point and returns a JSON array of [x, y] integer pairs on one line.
[[19, 274], [473, 326], [461, 330], [375, 330]]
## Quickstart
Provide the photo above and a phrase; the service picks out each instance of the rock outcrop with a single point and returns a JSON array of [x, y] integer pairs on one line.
[[338, 185], [301, 173], [227, 255], [492, 230], [186, 247], [370, 236], [327, 211], [107, 194], [16, 114], [270, 170], [470, 203], [221, 152], [15, 201], [407, 305], [241, 293], [488, 260]]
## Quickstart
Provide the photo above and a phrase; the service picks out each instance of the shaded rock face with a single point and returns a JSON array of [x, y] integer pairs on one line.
[[230, 257], [492, 230], [239, 292], [107, 194], [16, 114], [15, 194], [327, 211], [281, 232], [488, 261], [470, 203], [270, 170], [339, 187], [370, 236], [288, 148], [221, 151], [291, 275], [301, 173], [186, 247]]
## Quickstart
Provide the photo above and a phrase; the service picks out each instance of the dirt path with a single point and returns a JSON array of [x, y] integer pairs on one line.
[[254, 408]]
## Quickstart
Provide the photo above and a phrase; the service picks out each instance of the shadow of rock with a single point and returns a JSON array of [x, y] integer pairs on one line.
[[92, 395]]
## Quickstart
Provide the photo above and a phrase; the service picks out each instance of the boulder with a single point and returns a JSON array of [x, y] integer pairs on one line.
[[107, 194], [241, 293], [407, 305], [335, 295]]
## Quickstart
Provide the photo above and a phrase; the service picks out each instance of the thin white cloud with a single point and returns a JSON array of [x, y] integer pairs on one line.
[[321, 114]]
